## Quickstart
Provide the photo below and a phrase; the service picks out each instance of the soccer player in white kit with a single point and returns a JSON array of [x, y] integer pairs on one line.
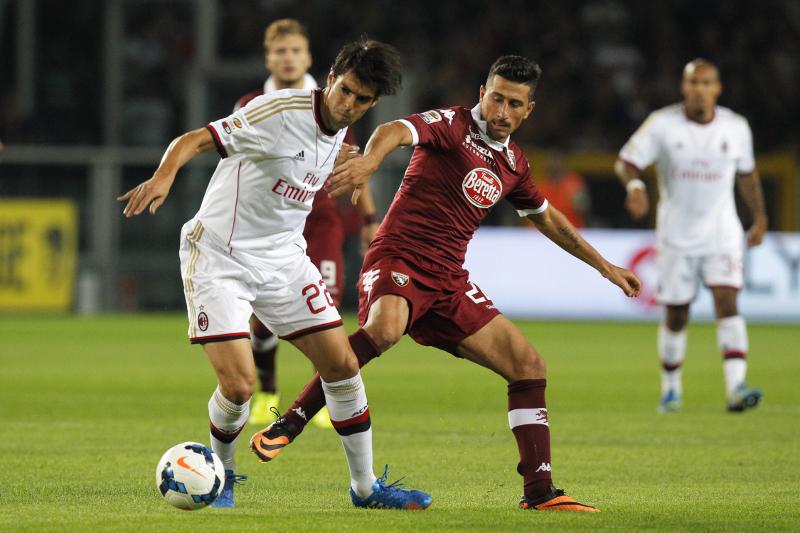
[[243, 253], [701, 151]]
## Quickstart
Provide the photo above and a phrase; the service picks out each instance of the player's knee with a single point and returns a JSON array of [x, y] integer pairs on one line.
[[726, 308], [677, 318], [385, 333], [238, 389], [528, 365], [341, 368]]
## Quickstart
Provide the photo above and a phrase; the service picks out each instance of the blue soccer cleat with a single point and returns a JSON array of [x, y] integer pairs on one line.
[[225, 498], [744, 398], [391, 496], [670, 402]]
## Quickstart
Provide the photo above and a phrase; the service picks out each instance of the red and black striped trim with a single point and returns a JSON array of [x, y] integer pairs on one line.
[[217, 142], [354, 425], [222, 337], [317, 101], [734, 354], [312, 329], [224, 436]]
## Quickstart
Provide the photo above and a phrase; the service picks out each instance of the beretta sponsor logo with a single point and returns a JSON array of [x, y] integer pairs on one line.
[[482, 187]]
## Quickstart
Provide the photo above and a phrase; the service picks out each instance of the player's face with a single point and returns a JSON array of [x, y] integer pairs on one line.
[[348, 99], [288, 58], [504, 105], [701, 88]]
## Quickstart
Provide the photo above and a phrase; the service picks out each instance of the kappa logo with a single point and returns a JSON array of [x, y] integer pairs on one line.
[[302, 414], [544, 467], [401, 280], [202, 321], [300, 156], [512, 160], [541, 417], [482, 187]]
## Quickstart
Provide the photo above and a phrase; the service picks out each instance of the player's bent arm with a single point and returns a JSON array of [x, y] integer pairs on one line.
[[357, 171], [556, 227], [154, 191], [636, 200], [749, 186]]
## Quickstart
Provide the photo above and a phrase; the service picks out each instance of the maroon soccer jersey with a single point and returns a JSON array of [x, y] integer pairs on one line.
[[454, 178]]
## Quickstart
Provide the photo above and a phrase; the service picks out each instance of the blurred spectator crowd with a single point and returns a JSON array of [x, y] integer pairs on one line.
[[606, 63]]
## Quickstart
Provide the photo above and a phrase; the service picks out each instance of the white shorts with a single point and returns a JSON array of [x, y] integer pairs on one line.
[[679, 274], [222, 290]]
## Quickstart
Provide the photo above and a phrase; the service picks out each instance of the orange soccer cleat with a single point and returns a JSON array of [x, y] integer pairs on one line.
[[556, 500]]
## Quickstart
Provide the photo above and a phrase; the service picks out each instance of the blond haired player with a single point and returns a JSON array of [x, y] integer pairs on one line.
[[701, 150], [287, 57], [243, 253]]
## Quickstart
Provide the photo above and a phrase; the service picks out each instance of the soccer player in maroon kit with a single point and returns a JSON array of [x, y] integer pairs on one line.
[[287, 57], [413, 280]]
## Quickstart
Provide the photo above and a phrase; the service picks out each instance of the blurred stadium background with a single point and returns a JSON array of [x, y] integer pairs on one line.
[[91, 92]]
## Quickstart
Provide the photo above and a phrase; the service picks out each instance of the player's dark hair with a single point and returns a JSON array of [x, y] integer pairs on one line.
[[374, 63], [517, 69]]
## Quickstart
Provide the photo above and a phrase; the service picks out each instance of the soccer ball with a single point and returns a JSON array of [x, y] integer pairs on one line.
[[190, 476]]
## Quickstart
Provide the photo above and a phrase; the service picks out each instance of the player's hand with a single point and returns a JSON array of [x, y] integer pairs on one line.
[[637, 203], [368, 232], [350, 176], [755, 235], [347, 152], [625, 280], [150, 193]]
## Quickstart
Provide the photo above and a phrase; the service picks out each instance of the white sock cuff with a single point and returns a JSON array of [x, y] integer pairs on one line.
[[732, 335], [346, 389], [227, 406], [671, 344]]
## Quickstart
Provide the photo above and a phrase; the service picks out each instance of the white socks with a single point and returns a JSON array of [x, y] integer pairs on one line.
[[226, 420], [349, 412], [732, 342], [671, 350]]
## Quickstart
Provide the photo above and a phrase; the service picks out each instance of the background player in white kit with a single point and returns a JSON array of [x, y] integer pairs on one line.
[[701, 151], [243, 253]]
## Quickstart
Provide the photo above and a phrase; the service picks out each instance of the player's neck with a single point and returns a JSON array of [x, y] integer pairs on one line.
[[701, 116], [324, 112], [297, 84]]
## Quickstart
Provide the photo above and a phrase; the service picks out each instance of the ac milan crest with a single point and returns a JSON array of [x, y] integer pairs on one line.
[[202, 321], [400, 279]]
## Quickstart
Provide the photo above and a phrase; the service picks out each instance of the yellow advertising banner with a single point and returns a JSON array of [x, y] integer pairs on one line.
[[38, 251]]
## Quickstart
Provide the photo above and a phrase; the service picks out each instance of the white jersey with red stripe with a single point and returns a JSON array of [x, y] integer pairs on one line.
[[276, 154], [696, 165]]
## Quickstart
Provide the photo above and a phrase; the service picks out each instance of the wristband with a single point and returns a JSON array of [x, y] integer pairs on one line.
[[635, 183], [371, 218]]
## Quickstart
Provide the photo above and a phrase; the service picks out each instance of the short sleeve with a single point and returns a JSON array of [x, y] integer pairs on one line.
[[436, 128], [252, 130], [642, 148], [746, 162], [526, 198]]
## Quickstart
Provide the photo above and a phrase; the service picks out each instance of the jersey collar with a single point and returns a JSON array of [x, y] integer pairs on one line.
[[476, 116], [308, 83]]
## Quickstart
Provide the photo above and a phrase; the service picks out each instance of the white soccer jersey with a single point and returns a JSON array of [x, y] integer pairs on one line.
[[696, 166], [276, 155]]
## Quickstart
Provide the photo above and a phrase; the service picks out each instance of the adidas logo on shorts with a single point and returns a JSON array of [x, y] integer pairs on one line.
[[300, 156]]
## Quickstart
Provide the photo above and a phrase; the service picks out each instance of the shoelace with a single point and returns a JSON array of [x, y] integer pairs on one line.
[[397, 484], [236, 479], [274, 411]]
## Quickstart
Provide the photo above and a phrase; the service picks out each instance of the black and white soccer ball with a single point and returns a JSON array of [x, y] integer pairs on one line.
[[190, 476]]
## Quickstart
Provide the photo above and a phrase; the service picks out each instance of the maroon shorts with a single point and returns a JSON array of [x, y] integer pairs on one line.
[[324, 235], [444, 307]]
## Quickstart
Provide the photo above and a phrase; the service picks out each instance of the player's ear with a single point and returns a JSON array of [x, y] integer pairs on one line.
[[374, 102], [482, 92], [531, 105], [331, 78]]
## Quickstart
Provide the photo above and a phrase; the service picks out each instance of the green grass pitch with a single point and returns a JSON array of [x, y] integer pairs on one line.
[[89, 405]]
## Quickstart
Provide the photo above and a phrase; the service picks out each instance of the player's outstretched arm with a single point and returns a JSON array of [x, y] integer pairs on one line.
[[753, 195], [355, 172], [154, 191], [636, 202], [555, 226]]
